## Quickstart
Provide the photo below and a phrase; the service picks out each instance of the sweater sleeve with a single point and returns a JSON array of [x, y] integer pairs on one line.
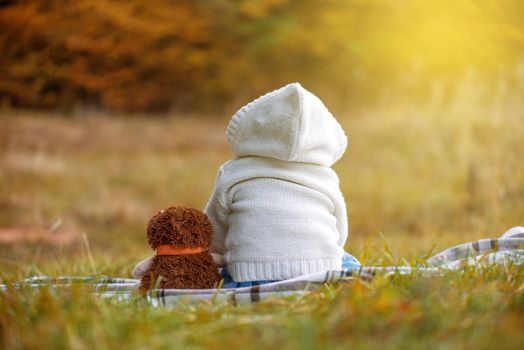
[[218, 216], [342, 219]]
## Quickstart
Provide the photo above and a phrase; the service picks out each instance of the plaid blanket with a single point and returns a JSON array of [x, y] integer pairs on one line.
[[478, 253]]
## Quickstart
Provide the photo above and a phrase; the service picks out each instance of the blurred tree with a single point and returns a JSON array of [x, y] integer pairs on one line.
[[161, 55]]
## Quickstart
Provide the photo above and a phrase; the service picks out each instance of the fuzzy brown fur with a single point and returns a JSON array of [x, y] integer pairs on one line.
[[192, 271], [181, 227]]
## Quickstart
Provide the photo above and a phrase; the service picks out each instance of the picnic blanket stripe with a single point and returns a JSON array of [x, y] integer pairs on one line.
[[255, 293], [232, 297], [476, 246]]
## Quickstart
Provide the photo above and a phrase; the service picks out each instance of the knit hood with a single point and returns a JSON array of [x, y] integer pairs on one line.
[[289, 124]]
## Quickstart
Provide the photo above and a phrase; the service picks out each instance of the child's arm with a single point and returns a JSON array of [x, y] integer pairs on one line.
[[218, 216]]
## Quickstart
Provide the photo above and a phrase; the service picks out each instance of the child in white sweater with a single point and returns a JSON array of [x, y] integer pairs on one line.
[[276, 209]]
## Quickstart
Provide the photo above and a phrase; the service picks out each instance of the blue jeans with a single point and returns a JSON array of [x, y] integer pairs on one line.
[[349, 262]]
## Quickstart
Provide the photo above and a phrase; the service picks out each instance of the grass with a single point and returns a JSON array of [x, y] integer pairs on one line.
[[465, 311], [418, 178]]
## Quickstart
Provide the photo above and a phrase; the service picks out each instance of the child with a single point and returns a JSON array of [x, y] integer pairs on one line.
[[276, 209]]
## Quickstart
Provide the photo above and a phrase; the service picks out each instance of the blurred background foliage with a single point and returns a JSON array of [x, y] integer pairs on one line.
[[171, 56]]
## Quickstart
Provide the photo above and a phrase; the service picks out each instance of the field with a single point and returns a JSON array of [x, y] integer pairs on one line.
[[76, 190]]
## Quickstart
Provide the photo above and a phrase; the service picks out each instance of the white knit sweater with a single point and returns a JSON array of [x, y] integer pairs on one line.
[[277, 210]]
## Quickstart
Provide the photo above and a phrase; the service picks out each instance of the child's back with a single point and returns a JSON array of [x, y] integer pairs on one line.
[[277, 209]]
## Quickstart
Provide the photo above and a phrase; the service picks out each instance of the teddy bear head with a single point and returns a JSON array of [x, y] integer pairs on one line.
[[180, 227]]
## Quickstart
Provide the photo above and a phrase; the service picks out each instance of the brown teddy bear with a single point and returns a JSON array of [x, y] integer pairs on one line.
[[181, 237]]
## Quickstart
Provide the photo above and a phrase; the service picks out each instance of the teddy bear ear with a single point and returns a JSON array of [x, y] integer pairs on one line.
[[159, 229]]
